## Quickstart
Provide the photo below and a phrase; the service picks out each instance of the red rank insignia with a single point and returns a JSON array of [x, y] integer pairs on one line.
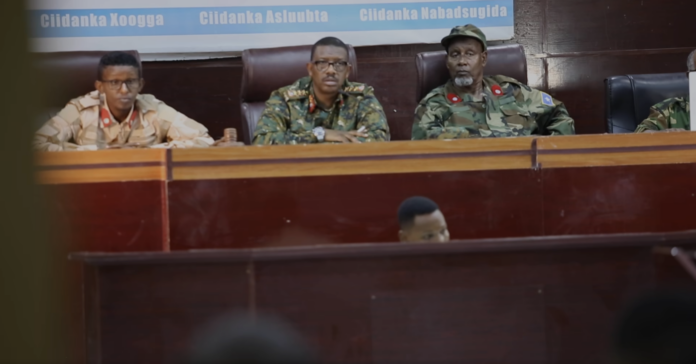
[[454, 98], [312, 104], [105, 117], [497, 91]]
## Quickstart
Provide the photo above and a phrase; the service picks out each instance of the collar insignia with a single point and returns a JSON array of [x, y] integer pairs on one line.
[[454, 98]]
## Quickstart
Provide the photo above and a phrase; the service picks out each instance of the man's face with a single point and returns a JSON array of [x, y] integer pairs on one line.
[[426, 228], [326, 78], [465, 61], [120, 85]]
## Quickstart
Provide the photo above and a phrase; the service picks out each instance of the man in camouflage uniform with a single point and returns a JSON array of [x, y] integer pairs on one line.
[[672, 114], [117, 116], [323, 107], [470, 105]]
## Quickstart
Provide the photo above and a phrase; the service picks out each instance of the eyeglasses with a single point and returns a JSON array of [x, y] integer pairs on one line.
[[339, 66], [114, 85]]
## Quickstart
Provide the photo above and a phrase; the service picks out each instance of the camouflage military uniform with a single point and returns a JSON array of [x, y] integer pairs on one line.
[[79, 127], [509, 108], [669, 114], [291, 114]]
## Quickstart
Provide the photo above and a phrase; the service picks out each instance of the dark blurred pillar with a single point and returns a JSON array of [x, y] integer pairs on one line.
[[31, 302]]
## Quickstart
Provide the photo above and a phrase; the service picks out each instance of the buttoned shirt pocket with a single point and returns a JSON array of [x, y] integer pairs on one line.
[[146, 135], [517, 117]]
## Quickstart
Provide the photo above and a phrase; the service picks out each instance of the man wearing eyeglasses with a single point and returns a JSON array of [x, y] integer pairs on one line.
[[470, 105], [324, 107], [117, 116]]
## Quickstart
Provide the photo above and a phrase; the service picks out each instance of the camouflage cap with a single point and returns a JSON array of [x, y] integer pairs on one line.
[[468, 30]]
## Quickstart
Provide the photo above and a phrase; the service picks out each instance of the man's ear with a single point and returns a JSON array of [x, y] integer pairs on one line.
[[98, 86], [309, 68], [349, 69], [484, 57], [142, 84]]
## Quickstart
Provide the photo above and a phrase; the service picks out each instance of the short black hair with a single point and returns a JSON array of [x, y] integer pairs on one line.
[[118, 59], [414, 206], [329, 41], [240, 339], [658, 328]]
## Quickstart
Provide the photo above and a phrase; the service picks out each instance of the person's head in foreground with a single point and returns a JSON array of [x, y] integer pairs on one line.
[[420, 220], [237, 339], [659, 328]]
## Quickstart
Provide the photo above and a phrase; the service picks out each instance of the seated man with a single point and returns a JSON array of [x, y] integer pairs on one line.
[[421, 220], [672, 113], [470, 105], [323, 107], [116, 115]]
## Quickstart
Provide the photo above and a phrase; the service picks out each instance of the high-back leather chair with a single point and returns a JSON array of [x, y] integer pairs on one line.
[[266, 70], [67, 75], [629, 97], [507, 60]]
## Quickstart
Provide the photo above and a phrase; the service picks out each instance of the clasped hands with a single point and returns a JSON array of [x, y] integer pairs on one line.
[[339, 136]]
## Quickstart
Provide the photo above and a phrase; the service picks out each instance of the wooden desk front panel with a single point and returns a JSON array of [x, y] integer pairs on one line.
[[263, 212], [288, 195], [606, 200], [110, 216], [544, 300], [146, 314]]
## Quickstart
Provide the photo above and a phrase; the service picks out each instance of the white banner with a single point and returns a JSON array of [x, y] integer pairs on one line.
[[221, 26]]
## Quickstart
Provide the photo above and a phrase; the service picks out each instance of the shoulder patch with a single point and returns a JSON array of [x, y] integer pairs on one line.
[[294, 94], [546, 99], [355, 88]]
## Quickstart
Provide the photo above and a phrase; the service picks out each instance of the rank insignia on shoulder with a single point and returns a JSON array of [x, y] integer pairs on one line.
[[546, 99], [355, 89]]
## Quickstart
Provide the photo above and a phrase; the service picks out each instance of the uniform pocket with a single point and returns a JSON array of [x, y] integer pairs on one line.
[[517, 117]]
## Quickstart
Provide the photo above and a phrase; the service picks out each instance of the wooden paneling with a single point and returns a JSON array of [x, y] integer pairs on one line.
[[593, 25], [113, 217], [347, 209], [545, 300], [625, 199], [206, 91], [159, 307]]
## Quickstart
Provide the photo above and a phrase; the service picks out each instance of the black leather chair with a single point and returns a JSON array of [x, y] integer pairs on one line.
[[266, 70], [508, 60], [629, 97]]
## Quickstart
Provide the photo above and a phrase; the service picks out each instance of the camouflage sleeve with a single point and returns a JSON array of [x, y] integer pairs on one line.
[[272, 127], [552, 117], [657, 120], [429, 123], [183, 132], [371, 116], [57, 131]]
